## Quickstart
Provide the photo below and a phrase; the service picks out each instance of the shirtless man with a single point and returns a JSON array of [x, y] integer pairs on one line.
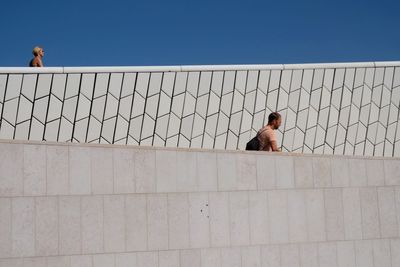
[[38, 52], [266, 136]]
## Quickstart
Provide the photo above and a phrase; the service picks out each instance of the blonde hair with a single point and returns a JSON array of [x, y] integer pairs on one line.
[[36, 50]]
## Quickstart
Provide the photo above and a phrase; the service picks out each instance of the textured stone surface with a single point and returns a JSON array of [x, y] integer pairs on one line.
[[246, 221]]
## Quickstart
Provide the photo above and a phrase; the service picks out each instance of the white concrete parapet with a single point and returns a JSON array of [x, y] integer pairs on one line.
[[109, 205]]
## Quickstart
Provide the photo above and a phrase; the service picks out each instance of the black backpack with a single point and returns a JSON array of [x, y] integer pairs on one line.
[[253, 144]]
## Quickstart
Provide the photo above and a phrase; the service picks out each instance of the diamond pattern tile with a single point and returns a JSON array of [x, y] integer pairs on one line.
[[379, 76], [352, 111], [83, 109], [43, 85], [7, 130], [189, 105], [211, 125], [25, 109], [22, 131], [162, 127], [65, 131], [198, 126], [201, 105], [274, 80], [193, 83], [349, 78], [241, 80], [10, 109], [73, 85], [205, 83], [58, 86], [121, 130], [107, 131], [359, 77], [69, 109], [142, 84], [40, 109], [339, 78], [13, 89], [36, 130], [28, 86], [238, 102], [147, 127], [252, 80], [155, 84], [51, 132], [217, 82], [128, 84], [228, 82], [173, 125], [151, 106], [3, 85], [294, 100], [272, 99], [80, 128], [263, 80]]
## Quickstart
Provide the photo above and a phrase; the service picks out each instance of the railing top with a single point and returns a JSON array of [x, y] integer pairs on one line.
[[8, 70], [184, 149]]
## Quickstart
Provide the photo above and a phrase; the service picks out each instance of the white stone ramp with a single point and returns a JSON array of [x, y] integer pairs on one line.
[[68, 205]]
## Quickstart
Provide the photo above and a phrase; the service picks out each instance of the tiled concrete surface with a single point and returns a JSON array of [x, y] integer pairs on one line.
[[365, 253], [338, 108], [92, 205]]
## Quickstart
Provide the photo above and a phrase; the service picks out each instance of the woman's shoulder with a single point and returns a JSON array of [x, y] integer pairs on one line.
[[34, 62], [31, 62]]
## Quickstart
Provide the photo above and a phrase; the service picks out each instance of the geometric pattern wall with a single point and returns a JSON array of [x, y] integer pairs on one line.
[[333, 109]]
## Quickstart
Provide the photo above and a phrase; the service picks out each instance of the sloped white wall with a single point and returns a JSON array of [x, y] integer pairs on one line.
[[102, 205]]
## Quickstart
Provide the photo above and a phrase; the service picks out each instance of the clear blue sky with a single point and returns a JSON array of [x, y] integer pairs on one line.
[[111, 33]]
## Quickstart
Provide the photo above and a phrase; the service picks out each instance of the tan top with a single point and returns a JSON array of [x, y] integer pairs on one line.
[[266, 135]]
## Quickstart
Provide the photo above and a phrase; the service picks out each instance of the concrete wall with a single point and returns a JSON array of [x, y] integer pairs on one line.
[[351, 108], [94, 205]]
